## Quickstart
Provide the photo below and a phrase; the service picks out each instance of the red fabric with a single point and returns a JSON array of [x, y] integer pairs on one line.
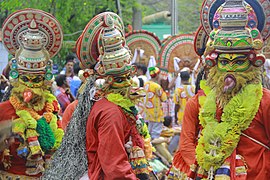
[[106, 133], [62, 98], [185, 156], [256, 156], [17, 163], [68, 114]]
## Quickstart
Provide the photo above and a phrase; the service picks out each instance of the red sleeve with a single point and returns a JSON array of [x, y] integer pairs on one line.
[[9, 112], [266, 113], [111, 152], [68, 114], [185, 156], [190, 128]]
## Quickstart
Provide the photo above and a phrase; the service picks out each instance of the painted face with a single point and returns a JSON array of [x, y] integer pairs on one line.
[[31, 81], [123, 81], [233, 62]]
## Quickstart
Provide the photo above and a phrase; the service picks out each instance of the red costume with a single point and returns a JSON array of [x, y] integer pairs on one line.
[[104, 138], [105, 141], [68, 113], [258, 163], [226, 131], [31, 108]]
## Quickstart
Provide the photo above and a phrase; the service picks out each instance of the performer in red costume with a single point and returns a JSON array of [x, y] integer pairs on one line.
[[105, 136], [226, 130], [33, 36]]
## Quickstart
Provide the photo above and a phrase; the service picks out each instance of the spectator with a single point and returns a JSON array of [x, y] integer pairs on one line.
[[62, 92], [76, 81], [181, 96], [68, 69], [155, 95]]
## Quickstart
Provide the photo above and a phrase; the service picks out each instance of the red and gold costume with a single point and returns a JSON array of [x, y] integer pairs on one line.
[[31, 107], [228, 122]]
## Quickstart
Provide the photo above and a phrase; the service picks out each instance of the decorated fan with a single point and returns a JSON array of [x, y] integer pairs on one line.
[[145, 40], [180, 46]]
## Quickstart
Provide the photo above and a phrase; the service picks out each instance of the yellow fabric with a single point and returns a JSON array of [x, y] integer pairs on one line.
[[181, 96], [154, 96]]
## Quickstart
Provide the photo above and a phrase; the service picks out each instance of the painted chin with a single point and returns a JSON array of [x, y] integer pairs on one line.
[[229, 83]]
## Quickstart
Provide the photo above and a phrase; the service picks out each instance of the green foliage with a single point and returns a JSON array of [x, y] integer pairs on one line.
[[72, 15], [189, 15], [188, 12]]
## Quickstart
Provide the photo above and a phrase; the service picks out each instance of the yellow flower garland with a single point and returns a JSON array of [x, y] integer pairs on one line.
[[219, 139]]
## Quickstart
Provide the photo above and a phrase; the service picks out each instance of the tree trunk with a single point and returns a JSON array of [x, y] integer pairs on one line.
[[137, 16]]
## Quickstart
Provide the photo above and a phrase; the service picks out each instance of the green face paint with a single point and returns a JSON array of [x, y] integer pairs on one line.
[[233, 63]]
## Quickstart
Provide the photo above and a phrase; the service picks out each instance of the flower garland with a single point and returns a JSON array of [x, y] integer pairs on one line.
[[38, 134], [219, 139]]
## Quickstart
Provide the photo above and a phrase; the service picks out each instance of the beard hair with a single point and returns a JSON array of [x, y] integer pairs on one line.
[[38, 100], [216, 82]]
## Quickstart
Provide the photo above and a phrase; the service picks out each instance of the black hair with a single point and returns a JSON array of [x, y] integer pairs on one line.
[[143, 68], [167, 121], [184, 75], [76, 68], [200, 76], [60, 79], [69, 58]]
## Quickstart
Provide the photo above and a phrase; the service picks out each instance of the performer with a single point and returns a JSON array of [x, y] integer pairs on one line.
[[105, 135], [232, 120], [182, 95], [36, 129]]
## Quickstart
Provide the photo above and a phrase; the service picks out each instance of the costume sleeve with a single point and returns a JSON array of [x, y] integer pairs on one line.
[[68, 114], [161, 93], [111, 152], [189, 131], [176, 96]]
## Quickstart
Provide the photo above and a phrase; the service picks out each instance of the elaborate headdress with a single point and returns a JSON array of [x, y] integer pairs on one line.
[[180, 46], [33, 37], [147, 41], [236, 26], [102, 44]]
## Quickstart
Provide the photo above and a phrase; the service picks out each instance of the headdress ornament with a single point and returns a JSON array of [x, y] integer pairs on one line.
[[147, 41], [33, 37], [102, 44], [233, 26], [180, 46]]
